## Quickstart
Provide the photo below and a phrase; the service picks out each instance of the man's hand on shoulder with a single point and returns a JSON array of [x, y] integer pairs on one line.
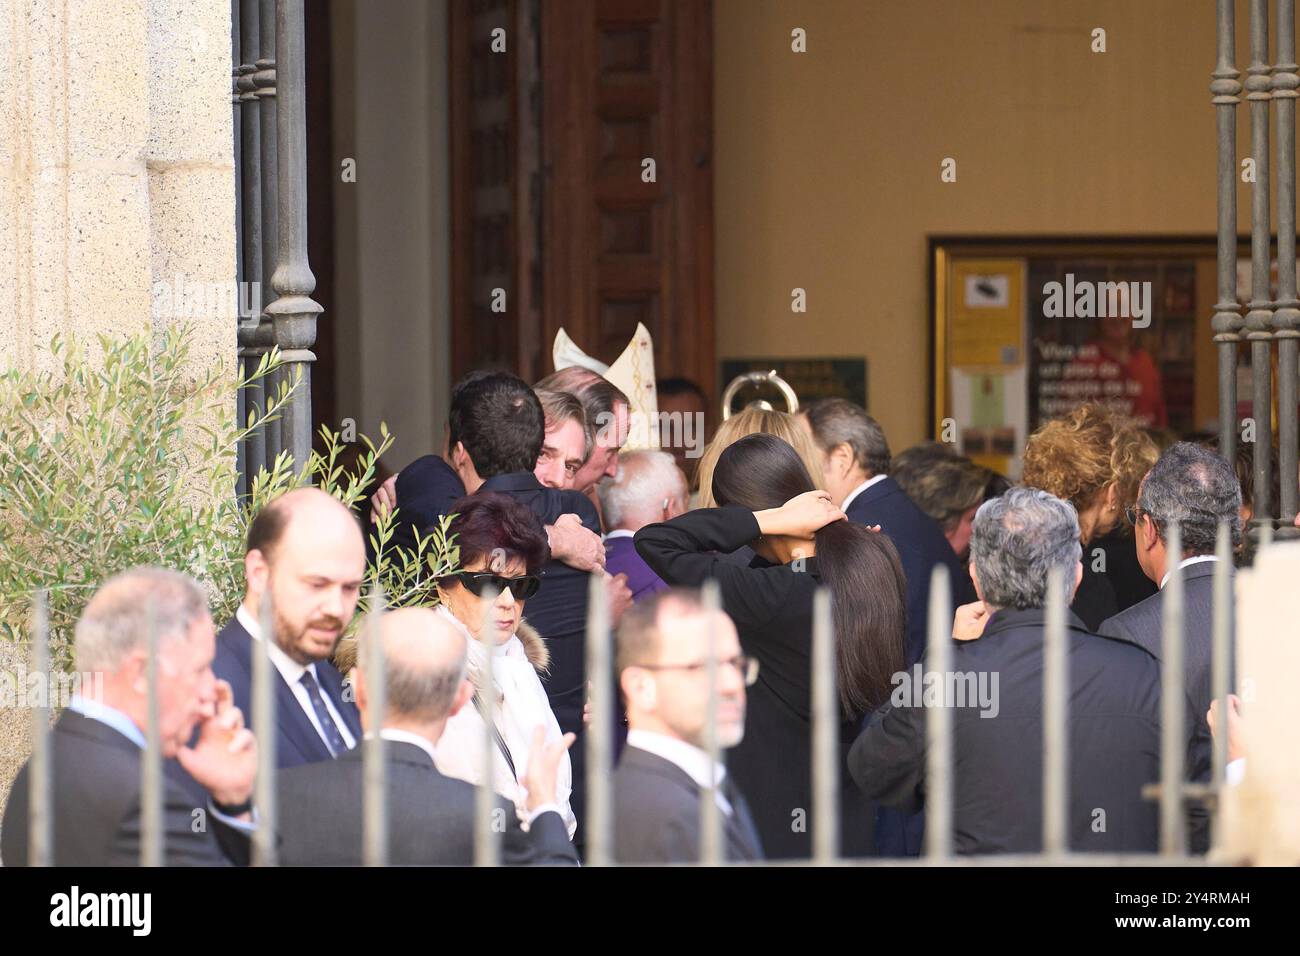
[[384, 500], [574, 545], [968, 623]]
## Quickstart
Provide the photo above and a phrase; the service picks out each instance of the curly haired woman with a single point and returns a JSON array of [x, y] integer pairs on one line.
[[1095, 460]]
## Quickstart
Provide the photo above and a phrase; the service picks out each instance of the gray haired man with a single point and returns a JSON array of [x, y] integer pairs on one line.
[[1198, 490], [97, 746], [995, 691], [647, 487]]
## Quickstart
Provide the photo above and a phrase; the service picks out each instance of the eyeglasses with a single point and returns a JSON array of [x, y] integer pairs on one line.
[[476, 582], [745, 665], [1134, 512]]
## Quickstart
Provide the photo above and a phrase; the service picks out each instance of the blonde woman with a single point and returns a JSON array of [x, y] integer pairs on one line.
[[754, 421]]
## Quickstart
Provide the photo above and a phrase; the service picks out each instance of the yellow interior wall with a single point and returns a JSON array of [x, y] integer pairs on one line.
[[827, 163]]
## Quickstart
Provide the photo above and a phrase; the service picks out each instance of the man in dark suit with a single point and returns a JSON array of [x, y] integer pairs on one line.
[[496, 432], [647, 487], [664, 772], [429, 486], [96, 748], [856, 460], [305, 554], [1197, 489], [995, 692], [856, 473], [430, 816]]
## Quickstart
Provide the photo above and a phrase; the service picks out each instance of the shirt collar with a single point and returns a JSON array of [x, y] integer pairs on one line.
[[514, 481], [848, 499], [1197, 559], [688, 757], [289, 669], [111, 716], [619, 533], [406, 737]]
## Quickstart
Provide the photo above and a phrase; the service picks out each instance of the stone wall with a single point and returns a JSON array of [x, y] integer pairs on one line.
[[116, 175]]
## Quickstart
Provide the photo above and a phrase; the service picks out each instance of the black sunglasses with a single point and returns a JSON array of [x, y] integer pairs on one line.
[[476, 582]]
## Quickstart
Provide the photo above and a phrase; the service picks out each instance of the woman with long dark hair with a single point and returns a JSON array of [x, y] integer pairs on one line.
[[767, 500]]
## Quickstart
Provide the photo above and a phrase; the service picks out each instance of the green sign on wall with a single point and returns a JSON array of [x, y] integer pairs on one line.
[[811, 378]]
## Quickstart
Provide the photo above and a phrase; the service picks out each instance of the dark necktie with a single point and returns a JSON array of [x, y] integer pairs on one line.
[[333, 739], [741, 824]]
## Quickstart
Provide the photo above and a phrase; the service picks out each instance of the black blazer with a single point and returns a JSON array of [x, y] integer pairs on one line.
[[657, 814], [559, 609], [771, 605], [1143, 624], [1129, 582], [296, 740], [921, 545], [430, 816], [96, 807], [426, 489], [1113, 740], [1095, 599]]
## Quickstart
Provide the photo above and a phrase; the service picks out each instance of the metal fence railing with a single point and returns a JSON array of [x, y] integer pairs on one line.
[[268, 104], [1173, 791]]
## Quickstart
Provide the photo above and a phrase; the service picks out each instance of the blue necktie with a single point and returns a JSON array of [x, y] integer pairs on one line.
[[333, 739]]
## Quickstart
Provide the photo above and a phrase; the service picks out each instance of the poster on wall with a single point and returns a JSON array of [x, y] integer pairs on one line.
[[1025, 331], [985, 341]]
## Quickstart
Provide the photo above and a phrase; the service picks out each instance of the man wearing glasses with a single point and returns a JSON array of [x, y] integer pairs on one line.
[[1197, 489], [665, 770]]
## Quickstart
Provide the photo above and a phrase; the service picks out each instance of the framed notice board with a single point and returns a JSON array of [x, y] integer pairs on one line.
[[1026, 328]]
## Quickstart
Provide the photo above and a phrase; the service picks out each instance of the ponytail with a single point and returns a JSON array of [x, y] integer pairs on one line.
[[869, 611]]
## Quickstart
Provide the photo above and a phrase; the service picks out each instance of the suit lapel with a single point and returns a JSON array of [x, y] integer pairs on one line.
[[738, 828], [741, 830], [296, 733], [295, 726]]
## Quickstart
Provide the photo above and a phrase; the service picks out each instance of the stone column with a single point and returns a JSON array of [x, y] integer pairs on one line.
[[117, 208]]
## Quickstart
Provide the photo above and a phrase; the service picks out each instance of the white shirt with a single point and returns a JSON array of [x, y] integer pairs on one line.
[[521, 705], [618, 533], [406, 737], [848, 499], [292, 673], [689, 758], [1235, 772], [1184, 563]]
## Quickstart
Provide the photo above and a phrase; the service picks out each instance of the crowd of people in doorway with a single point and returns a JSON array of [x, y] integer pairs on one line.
[[543, 498]]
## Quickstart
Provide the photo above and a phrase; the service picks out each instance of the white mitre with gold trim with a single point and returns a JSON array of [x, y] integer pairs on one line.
[[633, 373]]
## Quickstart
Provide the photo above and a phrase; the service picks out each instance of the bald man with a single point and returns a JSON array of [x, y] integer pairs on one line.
[[304, 551], [430, 816]]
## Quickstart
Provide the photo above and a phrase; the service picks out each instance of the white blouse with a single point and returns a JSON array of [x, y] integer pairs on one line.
[[521, 706]]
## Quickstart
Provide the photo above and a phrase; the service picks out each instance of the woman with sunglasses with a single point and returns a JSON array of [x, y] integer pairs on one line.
[[502, 550]]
